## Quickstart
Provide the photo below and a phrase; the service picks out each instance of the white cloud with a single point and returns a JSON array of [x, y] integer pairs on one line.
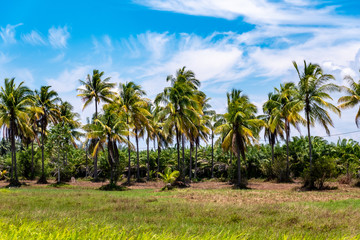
[[104, 45], [294, 12], [33, 38], [8, 33], [67, 81], [58, 36]]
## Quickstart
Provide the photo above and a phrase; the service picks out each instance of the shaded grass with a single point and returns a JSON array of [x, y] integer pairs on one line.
[[43, 213]]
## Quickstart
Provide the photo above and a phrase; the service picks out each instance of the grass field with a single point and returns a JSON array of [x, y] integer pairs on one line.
[[75, 212]]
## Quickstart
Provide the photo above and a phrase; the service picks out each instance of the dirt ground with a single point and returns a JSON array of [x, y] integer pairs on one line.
[[255, 185]]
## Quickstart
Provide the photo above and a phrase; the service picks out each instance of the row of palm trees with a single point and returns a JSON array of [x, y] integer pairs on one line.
[[26, 114], [180, 114]]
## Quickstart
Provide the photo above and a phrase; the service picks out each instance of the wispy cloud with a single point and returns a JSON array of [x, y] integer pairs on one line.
[[293, 12], [58, 36], [8, 33], [67, 81], [103, 45], [33, 38]]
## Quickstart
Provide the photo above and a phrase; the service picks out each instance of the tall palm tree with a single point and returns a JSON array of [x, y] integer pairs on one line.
[[71, 118], [109, 129], [34, 116], [95, 89], [314, 90], [131, 101], [274, 126], [352, 97], [241, 127], [181, 109], [15, 101], [162, 137], [46, 100], [285, 107]]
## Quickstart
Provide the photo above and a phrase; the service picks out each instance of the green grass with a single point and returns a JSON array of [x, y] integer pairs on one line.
[[48, 213]]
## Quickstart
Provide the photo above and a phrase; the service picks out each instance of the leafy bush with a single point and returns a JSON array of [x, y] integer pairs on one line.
[[323, 168], [169, 177]]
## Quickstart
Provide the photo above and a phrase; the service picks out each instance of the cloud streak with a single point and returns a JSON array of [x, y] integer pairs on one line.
[[58, 37], [7, 34]]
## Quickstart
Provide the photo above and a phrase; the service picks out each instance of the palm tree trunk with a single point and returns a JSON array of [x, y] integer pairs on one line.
[[129, 160], [14, 179], [96, 153], [212, 153], [272, 153], [158, 157], [32, 161], [178, 147], [238, 169], [311, 183], [137, 157], [86, 161], [196, 148], [43, 177], [190, 164], [309, 138], [147, 160], [58, 175], [110, 161], [183, 155], [287, 131]]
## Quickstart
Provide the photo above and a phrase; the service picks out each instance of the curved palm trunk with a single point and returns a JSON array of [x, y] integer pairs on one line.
[[137, 157], [212, 153], [147, 160]]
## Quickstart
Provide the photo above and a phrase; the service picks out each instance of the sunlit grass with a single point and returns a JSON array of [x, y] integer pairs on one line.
[[49, 213]]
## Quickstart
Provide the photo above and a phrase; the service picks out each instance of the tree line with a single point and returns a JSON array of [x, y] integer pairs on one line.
[[176, 122]]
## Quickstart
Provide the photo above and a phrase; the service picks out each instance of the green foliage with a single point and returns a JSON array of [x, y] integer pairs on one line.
[[323, 168], [169, 176]]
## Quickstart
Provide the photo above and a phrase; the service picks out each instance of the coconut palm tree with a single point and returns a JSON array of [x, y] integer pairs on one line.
[[109, 129], [71, 118], [241, 127], [162, 137], [131, 101], [314, 90], [15, 101], [352, 97], [181, 109], [46, 100], [95, 89], [284, 107], [274, 125]]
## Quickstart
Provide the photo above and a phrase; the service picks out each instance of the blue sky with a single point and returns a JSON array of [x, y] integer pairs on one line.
[[245, 44]]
